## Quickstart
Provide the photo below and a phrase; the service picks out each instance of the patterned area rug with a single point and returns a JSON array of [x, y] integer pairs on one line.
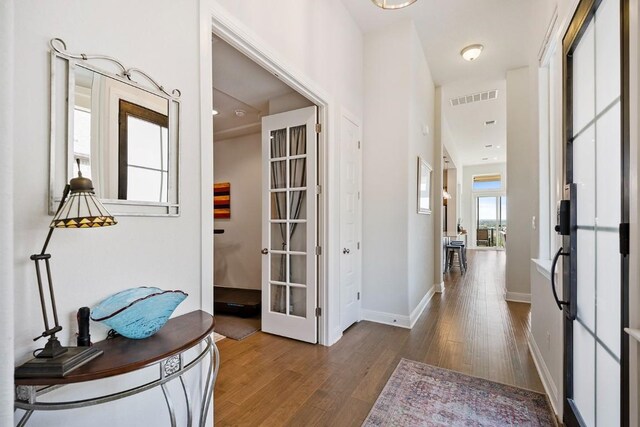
[[422, 395]]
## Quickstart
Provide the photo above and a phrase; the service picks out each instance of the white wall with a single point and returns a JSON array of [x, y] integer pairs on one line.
[[398, 247], [288, 102], [331, 63], [522, 182], [238, 260], [546, 335], [385, 196], [138, 251], [467, 199], [421, 143], [6, 213]]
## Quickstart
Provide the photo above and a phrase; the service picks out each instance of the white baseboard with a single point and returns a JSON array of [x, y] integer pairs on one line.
[[386, 318], [439, 287], [334, 337], [517, 297], [415, 314], [545, 375], [398, 320]]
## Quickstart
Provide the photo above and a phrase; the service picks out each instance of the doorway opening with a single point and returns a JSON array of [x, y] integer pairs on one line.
[[491, 221], [266, 216]]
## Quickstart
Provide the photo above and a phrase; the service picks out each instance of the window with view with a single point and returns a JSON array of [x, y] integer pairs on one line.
[[487, 182]]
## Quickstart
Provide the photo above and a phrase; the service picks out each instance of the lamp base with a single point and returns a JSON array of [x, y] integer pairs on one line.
[[58, 366]]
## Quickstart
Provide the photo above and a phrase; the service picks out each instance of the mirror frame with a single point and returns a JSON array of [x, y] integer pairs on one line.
[[65, 138]]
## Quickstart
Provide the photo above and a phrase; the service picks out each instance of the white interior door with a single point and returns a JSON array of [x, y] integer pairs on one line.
[[289, 284], [350, 220]]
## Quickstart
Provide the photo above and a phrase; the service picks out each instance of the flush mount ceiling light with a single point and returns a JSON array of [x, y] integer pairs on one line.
[[393, 4], [240, 113], [471, 53], [214, 112]]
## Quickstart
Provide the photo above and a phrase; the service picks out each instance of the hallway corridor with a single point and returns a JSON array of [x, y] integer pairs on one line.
[[269, 380]]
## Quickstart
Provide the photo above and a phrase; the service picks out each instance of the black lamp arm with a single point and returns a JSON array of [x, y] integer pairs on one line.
[[37, 258]]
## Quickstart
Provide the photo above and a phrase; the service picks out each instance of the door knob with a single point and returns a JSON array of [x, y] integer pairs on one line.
[[264, 251], [346, 251]]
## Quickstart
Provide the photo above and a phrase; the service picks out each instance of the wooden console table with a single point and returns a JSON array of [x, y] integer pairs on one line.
[[122, 355]]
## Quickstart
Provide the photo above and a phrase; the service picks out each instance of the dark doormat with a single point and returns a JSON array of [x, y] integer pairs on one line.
[[237, 301], [237, 328]]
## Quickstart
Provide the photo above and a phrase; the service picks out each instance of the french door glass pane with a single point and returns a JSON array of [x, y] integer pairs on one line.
[[609, 168], [298, 238], [298, 205], [298, 301], [298, 140], [584, 176], [584, 80], [607, 53], [279, 268], [608, 290], [279, 205], [279, 299], [608, 389], [298, 173], [278, 140], [298, 265], [584, 367], [586, 277], [278, 174], [278, 236]]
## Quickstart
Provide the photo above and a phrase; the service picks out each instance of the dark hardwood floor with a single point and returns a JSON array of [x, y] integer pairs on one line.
[[269, 381]]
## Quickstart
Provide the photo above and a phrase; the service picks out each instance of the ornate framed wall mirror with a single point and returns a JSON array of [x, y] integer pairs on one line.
[[124, 134]]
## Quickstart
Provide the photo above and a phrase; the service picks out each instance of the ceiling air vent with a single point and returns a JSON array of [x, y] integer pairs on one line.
[[476, 97]]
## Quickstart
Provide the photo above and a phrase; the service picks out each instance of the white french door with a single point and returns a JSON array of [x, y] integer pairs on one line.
[[289, 279]]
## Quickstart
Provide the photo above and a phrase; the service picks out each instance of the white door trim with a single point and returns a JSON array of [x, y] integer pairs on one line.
[[215, 20]]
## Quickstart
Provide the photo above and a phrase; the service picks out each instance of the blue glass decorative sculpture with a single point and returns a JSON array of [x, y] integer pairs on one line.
[[137, 312]]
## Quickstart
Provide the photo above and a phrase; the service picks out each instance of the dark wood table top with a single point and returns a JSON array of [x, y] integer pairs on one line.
[[123, 355]]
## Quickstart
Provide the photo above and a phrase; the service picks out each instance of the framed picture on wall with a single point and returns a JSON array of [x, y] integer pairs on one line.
[[424, 186]]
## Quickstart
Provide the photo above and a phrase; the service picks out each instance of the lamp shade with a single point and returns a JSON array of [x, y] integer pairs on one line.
[[82, 209], [393, 4]]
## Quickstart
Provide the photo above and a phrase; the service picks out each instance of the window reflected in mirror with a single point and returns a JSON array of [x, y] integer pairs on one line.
[[143, 156]]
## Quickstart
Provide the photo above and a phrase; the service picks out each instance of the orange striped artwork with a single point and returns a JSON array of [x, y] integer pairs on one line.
[[222, 200]]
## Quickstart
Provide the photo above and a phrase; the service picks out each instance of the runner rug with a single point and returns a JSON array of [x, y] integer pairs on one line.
[[422, 395]]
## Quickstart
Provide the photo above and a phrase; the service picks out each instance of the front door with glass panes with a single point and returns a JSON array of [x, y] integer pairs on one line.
[[595, 266], [289, 291]]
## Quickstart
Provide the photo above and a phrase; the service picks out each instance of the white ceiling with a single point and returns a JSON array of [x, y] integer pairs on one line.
[[240, 84], [467, 122], [445, 27]]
